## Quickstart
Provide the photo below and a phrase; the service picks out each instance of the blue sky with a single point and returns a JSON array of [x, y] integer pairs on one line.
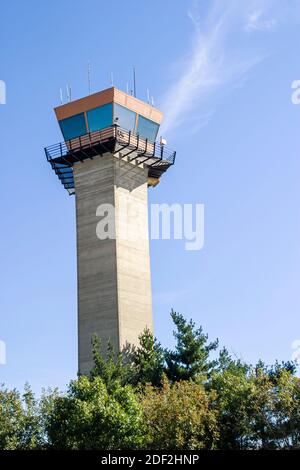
[[222, 73]]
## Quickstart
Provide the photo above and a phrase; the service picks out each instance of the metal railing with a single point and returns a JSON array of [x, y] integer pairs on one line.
[[113, 139]]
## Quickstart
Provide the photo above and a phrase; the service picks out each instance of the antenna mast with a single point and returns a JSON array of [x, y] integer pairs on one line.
[[89, 77], [134, 83], [68, 93]]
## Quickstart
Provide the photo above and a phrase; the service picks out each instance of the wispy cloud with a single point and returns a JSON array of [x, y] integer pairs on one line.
[[258, 22], [216, 58]]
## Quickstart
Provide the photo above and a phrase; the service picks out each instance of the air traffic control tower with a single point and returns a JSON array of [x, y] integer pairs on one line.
[[108, 159]]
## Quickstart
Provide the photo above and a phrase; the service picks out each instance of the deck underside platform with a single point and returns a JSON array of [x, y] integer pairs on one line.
[[119, 142]]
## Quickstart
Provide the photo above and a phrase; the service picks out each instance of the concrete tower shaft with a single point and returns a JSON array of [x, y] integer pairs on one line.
[[114, 285]]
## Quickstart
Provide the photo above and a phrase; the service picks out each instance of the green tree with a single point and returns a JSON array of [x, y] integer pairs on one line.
[[111, 367], [20, 420], [147, 361], [276, 405], [179, 417], [190, 359], [287, 411], [258, 407], [234, 403], [91, 416]]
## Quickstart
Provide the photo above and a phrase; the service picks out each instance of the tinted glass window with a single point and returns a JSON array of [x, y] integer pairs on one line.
[[73, 126], [126, 118], [147, 129], [100, 118]]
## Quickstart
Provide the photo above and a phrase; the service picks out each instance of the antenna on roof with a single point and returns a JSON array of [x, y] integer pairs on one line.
[[148, 96], [68, 93], [127, 88], [89, 77], [61, 96], [134, 83], [111, 79], [152, 101]]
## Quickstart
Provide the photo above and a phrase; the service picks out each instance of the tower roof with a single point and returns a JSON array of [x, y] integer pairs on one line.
[[110, 95]]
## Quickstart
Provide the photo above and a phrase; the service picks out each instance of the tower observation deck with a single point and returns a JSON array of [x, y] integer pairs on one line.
[[109, 121], [109, 156]]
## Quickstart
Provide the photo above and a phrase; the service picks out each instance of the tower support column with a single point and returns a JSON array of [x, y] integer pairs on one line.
[[114, 282]]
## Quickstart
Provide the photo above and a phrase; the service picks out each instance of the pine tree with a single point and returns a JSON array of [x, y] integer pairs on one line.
[[111, 367], [147, 361], [190, 360]]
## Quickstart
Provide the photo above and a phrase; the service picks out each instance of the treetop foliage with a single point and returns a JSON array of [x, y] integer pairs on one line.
[[149, 397]]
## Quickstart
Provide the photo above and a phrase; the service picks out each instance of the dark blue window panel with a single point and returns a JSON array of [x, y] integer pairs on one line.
[[100, 118], [126, 117], [147, 129], [73, 126]]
